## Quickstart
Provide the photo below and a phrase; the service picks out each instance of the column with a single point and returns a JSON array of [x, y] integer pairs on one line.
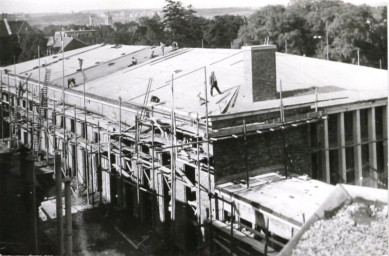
[[161, 197], [325, 154], [342, 150], [371, 124], [68, 217], [357, 147], [59, 205], [385, 135]]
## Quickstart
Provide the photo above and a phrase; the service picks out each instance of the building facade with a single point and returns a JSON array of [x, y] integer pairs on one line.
[[151, 140]]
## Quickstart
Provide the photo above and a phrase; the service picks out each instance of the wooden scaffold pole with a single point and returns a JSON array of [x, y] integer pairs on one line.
[[208, 163], [86, 138], [198, 185], [9, 110], [64, 147], [99, 168], [173, 161], [155, 183], [75, 147], [120, 156], [2, 106], [16, 111]]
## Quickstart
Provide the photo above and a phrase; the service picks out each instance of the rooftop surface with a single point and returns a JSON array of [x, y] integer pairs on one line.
[[91, 55], [337, 83], [291, 198]]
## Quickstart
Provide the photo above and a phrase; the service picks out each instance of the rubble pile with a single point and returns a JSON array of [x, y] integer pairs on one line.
[[356, 229]]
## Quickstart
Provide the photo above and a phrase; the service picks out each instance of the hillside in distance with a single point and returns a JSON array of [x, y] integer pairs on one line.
[[122, 16]]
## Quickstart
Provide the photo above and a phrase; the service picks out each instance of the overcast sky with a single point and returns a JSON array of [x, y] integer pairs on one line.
[[42, 6]]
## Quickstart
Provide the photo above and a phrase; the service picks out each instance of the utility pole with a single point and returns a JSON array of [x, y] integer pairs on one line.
[[286, 46]]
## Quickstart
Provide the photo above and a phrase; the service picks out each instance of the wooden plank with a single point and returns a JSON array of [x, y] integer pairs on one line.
[[127, 239]]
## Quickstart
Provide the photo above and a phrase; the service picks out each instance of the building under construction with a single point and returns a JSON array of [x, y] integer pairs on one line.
[[236, 171]]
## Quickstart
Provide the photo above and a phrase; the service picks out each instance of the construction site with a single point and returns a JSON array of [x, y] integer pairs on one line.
[[135, 150]]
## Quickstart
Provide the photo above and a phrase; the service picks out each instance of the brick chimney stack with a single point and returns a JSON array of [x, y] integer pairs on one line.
[[259, 63]]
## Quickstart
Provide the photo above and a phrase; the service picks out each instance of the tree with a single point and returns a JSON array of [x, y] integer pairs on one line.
[[149, 31], [305, 24], [181, 25], [222, 30]]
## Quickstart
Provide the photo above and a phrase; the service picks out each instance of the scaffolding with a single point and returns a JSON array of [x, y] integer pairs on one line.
[[135, 147]]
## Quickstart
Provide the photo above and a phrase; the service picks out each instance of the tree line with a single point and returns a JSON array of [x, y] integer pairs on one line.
[[303, 27]]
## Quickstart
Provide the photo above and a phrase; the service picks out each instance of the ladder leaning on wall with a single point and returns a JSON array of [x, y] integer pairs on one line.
[[42, 110]]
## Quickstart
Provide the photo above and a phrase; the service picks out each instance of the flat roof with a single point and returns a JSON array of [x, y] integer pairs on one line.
[[92, 56], [338, 83], [290, 197]]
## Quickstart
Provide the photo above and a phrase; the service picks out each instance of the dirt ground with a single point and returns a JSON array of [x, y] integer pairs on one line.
[[96, 232]]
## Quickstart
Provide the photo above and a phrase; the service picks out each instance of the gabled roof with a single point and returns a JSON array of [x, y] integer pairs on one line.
[[3, 29], [67, 41], [18, 27]]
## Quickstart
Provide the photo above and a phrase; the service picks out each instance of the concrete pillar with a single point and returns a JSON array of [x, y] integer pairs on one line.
[[106, 186], [385, 135], [371, 124], [68, 218], [357, 147], [58, 181], [342, 150], [161, 199], [81, 165], [325, 153]]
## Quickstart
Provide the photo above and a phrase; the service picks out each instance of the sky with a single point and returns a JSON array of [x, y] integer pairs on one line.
[[43, 6]]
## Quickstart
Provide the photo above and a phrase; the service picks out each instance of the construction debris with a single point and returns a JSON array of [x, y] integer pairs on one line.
[[356, 229]]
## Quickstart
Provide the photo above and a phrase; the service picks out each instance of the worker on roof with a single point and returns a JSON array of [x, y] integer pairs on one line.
[[174, 46], [71, 81], [133, 62], [213, 82], [152, 55], [21, 90]]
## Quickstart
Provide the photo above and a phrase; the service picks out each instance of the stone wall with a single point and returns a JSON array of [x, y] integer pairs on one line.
[[263, 151]]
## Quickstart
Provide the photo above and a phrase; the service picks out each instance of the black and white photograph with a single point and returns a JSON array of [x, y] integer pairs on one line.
[[194, 127]]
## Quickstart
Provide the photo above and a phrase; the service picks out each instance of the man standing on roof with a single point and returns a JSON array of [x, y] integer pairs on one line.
[[213, 82]]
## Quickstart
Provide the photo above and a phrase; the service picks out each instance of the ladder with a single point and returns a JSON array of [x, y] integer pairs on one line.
[[41, 114]]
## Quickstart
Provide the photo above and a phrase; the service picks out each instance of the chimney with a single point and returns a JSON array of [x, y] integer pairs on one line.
[[259, 67]]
